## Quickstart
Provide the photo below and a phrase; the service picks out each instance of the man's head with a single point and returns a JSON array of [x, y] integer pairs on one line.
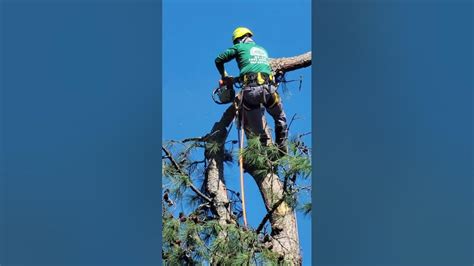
[[240, 33]]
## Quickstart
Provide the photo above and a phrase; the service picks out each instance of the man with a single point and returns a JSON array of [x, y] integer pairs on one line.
[[258, 87]]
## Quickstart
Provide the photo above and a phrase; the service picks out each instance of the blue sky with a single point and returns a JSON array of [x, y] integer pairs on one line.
[[193, 35]]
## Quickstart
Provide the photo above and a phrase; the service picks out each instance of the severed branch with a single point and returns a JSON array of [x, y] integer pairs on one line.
[[287, 64]]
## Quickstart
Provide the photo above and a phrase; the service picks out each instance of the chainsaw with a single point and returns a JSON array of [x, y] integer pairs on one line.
[[225, 93]]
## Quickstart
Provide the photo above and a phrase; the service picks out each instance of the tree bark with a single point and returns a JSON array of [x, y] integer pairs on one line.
[[284, 235], [214, 177], [285, 239], [287, 64]]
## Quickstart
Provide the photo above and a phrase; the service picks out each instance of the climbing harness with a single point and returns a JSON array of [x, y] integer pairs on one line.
[[257, 78]]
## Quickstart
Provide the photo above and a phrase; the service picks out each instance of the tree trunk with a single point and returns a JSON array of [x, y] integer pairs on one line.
[[284, 235], [214, 176]]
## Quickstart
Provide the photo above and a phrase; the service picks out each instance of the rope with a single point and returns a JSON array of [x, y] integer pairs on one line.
[[242, 173], [241, 163], [241, 160]]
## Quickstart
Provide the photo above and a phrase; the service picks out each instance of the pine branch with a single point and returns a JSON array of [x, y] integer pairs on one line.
[[293, 118], [189, 183]]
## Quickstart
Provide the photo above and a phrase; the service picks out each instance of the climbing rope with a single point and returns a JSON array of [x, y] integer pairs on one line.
[[241, 162], [241, 156]]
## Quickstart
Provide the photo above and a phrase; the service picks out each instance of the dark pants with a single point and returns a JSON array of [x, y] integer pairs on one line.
[[257, 99]]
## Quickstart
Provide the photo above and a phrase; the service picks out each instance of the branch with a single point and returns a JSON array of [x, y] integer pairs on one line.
[[269, 214], [190, 184], [287, 64], [293, 118], [198, 139]]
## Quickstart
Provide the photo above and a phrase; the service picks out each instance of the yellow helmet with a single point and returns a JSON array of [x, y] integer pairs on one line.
[[239, 32]]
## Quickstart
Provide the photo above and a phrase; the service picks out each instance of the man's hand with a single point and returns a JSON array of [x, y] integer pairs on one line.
[[227, 80], [224, 75]]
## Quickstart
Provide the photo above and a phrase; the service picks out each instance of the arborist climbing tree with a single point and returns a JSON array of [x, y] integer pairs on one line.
[[258, 93], [212, 232], [259, 88]]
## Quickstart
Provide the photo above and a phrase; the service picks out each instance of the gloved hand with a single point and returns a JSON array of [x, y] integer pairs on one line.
[[227, 80]]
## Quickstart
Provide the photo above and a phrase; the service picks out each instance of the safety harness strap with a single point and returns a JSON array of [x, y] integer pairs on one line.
[[276, 99], [256, 79]]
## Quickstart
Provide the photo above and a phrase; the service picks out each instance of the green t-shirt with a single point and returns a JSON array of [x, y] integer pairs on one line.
[[251, 58]]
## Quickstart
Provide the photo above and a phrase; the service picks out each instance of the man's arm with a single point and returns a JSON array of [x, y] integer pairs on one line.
[[223, 58]]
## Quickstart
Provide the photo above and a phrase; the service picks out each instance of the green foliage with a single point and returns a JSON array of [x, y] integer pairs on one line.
[[188, 240], [295, 165], [270, 257], [306, 208], [254, 154], [212, 147], [197, 238], [170, 230]]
